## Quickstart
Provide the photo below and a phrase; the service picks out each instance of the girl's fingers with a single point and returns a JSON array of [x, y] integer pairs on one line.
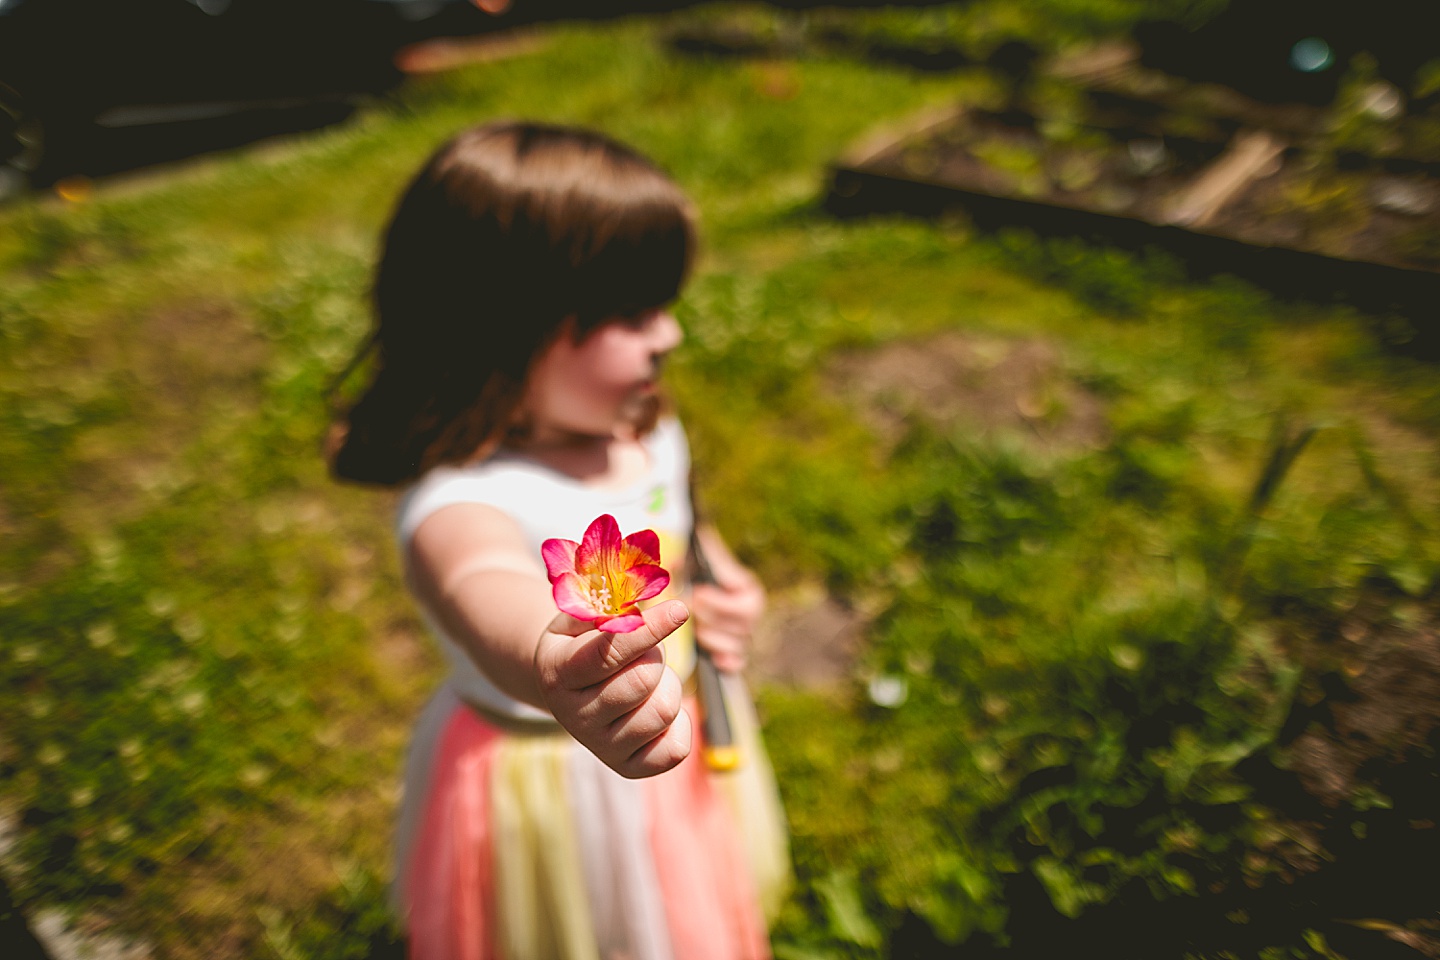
[[735, 611], [708, 617], [719, 641], [661, 753], [615, 695], [612, 698], [595, 656], [651, 718]]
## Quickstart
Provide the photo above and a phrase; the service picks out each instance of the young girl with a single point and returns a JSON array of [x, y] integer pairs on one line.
[[555, 801]]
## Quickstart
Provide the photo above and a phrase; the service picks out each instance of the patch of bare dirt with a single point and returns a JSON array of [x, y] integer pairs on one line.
[[449, 53], [403, 648], [1358, 785], [990, 385], [808, 639], [1381, 708], [178, 368], [199, 351]]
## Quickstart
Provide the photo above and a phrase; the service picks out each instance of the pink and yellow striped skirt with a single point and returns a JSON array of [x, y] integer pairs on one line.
[[518, 844]]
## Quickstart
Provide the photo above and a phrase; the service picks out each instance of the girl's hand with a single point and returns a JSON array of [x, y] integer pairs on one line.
[[613, 692], [726, 615]]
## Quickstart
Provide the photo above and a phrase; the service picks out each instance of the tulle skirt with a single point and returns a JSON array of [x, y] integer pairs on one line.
[[518, 844]]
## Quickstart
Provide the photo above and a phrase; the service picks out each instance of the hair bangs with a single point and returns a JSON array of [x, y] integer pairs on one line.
[[636, 257]]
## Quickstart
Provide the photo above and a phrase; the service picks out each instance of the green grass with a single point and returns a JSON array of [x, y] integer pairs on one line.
[[208, 665]]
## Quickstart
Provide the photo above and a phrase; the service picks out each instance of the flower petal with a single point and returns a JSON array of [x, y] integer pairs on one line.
[[642, 546], [602, 537], [572, 597], [628, 622], [559, 557], [646, 581]]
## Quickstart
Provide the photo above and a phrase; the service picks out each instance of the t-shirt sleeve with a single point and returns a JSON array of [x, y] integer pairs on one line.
[[439, 488]]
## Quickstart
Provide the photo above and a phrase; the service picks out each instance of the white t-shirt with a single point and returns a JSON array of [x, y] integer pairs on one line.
[[546, 504]]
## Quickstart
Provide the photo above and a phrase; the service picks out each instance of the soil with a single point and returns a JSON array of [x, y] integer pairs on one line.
[[1359, 779], [808, 640], [403, 649], [988, 386], [448, 53], [1382, 706], [182, 366]]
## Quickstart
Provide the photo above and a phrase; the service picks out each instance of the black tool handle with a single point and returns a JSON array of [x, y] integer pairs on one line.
[[720, 752]]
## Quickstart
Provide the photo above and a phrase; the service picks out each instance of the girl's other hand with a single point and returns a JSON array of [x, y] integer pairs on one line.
[[728, 610], [613, 692], [726, 615]]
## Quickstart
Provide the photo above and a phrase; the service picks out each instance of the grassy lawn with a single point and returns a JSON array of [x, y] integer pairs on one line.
[[1033, 473]]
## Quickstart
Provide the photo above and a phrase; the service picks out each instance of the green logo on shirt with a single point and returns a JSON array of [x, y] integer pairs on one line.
[[656, 503]]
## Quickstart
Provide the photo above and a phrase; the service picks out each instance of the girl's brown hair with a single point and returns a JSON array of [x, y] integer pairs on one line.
[[509, 230]]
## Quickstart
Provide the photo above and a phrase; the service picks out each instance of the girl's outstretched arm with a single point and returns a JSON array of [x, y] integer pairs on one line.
[[471, 566]]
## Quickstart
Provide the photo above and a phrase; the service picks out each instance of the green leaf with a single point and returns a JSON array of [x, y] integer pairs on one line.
[[840, 893], [1067, 892]]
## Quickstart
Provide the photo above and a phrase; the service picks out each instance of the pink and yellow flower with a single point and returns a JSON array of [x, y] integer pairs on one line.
[[602, 578]]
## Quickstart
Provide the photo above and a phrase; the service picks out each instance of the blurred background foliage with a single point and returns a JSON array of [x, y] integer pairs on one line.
[[1124, 547]]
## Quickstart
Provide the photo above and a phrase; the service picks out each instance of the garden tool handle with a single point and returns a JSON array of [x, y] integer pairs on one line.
[[720, 751]]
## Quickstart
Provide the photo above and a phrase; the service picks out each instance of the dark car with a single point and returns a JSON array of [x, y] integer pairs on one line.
[[73, 71]]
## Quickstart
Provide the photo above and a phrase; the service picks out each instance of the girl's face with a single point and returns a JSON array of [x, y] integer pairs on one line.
[[598, 386]]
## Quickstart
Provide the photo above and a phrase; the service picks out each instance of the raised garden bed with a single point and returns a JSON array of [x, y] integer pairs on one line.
[[1227, 183]]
